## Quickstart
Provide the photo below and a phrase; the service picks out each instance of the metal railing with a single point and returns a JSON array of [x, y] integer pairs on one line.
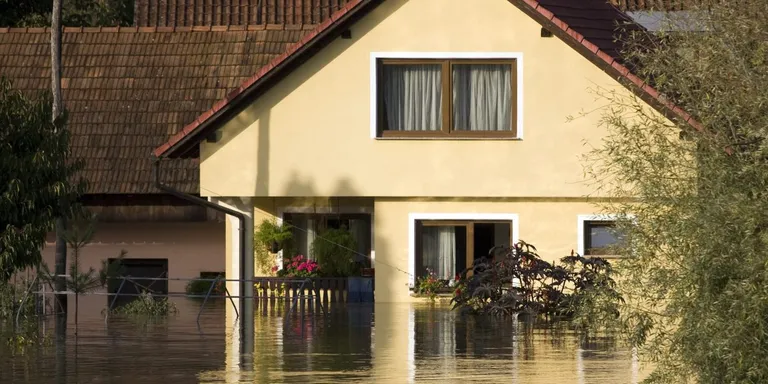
[[304, 289]]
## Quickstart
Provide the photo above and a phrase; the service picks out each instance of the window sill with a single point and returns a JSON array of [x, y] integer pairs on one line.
[[607, 257]]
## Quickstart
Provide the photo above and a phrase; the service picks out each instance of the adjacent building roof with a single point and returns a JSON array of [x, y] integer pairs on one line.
[[127, 90], [174, 13], [589, 26]]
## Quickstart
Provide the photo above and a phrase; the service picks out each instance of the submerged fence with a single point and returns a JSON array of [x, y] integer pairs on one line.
[[302, 294]]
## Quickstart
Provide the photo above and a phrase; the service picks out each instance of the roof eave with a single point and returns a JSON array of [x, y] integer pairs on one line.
[[185, 143], [605, 61]]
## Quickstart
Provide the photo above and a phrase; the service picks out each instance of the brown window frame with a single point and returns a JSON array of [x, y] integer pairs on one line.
[[469, 226], [588, 224], [447, 131]]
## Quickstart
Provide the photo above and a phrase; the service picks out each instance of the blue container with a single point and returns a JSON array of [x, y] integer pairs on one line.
[[359, 289]]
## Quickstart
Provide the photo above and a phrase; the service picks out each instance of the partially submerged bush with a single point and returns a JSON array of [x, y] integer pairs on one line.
[[334, 250], [200, 287], [147, 305], [518, 281], [11, 296]]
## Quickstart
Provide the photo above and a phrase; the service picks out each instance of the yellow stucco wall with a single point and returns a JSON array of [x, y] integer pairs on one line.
[[549, 225], [310, 134]]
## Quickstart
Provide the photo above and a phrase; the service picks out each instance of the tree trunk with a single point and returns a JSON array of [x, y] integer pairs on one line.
[[61, 245]]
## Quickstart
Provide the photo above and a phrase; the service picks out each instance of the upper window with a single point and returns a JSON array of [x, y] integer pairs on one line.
[[446, 98]]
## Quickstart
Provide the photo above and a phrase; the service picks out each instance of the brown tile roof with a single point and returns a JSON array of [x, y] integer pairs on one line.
[[587, 25], [128, 90], [166, 13], [184, 142]]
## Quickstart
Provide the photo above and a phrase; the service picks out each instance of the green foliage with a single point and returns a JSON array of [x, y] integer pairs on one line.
[[334, 251], [28, 336], [77, 236], [430, 285], [147, 305], [517, 281], [11, 296], [75, 13], [200, 287], [267, 233], [36, 173], [696, 279]]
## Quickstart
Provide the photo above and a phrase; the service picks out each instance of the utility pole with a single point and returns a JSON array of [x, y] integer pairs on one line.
[[61, 224]]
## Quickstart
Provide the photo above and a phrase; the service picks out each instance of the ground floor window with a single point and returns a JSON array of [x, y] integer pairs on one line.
[[447, 247], [600, 237], [307, 227]]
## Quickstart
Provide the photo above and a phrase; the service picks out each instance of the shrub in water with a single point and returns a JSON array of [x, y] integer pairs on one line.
[[518, 281], [148, 305]]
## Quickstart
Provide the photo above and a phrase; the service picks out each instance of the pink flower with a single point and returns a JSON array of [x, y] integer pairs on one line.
[[302, 266], [275, 268]]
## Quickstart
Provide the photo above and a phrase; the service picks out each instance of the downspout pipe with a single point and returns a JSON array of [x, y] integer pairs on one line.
[[205, 203]]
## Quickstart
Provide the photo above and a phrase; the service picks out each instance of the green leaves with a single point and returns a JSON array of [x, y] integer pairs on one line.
[[36, 173], [695, 285], [334, 250], [75, 13], [519, 281]]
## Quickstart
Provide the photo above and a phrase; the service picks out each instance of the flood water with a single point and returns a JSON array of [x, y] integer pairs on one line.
[[397, 343]]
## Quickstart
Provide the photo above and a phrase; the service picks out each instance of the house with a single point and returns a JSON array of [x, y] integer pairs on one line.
[[127, 90], [440, 126]]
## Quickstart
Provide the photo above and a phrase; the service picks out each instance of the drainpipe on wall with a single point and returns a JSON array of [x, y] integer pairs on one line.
[[203, 202]]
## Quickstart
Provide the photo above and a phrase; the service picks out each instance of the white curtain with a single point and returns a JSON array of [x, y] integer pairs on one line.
[[482, 97], [304, 235], [439, 251], [413, 97], [310, 238]]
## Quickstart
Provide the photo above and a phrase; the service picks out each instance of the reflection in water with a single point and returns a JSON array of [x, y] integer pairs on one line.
[[387, 343]]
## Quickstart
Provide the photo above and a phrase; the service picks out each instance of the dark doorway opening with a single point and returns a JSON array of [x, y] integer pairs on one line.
[[139, 274]]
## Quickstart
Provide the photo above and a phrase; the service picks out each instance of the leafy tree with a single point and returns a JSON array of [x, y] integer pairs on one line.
[[35, 174], [696, 276], [75, 13]]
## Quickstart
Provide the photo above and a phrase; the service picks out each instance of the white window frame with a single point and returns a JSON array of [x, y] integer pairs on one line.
[[517, 56], [582, 219], [413, 217]]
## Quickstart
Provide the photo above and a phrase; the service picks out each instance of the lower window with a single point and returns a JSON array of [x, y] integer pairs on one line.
[[306, 227], [601, 237], [448, 247]]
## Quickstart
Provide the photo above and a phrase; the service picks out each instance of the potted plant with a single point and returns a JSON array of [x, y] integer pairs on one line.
[[334, 250], [269, 238]]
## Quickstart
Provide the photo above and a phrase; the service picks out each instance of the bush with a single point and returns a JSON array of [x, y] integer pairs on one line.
[[334, 250], [147, 305], [266, 234], [200, 287], [519, 281], [10, 300], [430, 285]]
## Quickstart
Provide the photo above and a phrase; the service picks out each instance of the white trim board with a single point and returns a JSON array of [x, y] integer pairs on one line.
[[518, 56], [412, 217]]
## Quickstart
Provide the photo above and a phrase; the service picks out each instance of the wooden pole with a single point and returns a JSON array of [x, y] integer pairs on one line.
[[61, 245]]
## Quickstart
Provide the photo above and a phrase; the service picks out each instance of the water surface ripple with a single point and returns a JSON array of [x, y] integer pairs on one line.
[[397, 343]]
